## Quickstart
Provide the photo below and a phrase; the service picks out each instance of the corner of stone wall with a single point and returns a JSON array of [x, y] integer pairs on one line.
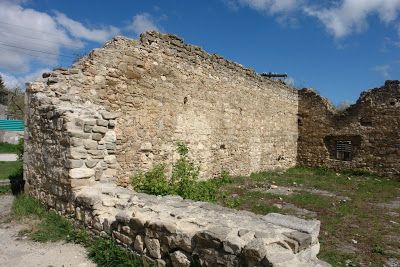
[[68, 144]]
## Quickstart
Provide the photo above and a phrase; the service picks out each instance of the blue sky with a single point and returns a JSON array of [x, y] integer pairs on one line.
[[338, 47]]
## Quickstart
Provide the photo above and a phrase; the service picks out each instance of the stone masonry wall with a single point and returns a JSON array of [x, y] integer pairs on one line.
[[77, 145], [166, 91], [372, 125], [68, 144]]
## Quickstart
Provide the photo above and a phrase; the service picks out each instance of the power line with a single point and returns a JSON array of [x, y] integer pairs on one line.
[[30, 37], [34, 50], [52, 57]]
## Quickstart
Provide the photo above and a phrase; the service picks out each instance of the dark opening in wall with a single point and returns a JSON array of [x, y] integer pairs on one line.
[[222, 146], [342, 147], [344, 150], [185, 100]]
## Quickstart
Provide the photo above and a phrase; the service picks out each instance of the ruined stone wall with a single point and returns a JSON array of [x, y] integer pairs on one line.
[[372, 125], [121, 109], [166, 91], [68, 144], [70, 166]]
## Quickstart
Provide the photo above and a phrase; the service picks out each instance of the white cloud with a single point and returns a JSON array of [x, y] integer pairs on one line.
[[78, 30], [25, 32], [141, 23], [9, 80], [351, 15], [33, 75], [384, 70], [271, 6], [12, 81]]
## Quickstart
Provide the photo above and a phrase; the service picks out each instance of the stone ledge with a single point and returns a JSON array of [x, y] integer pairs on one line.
[[161, 227]]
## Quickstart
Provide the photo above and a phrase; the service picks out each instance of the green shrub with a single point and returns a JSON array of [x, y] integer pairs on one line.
[[8, 148], [107, 254], [5, 189], [53, 227], [184, 181], [153, 182], [24, 205]]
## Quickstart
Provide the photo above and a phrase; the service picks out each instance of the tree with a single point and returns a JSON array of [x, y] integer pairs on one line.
[[3, 92], [16, 103]]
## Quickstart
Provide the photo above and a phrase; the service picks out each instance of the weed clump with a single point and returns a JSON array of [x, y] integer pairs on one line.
[[184, 180]]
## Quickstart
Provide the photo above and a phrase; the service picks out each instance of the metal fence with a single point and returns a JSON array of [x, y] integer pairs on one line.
[[12, 125]]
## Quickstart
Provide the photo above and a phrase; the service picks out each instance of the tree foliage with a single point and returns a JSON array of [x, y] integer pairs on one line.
[[14, 99], [3, 93]]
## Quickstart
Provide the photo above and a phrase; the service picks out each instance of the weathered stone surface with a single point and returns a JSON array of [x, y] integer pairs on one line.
[[153, 247], [139, 244], [311, 227], [371, 125], [80, 173], [109, 115], [100, 129], [179, 259], [90, 144], [74, 163]]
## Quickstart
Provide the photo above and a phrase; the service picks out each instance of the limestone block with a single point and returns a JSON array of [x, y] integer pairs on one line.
[[123, 238], [179, 259], [139, 244], [311, 227], [90, 144], [153, 247], [110, 137], [76, 141], [302, 240], [102, 122], [80, 173], [74, 163], [110, 159], [99, 129], [90, 163], [109, 115], [76, 153], [97, 136]]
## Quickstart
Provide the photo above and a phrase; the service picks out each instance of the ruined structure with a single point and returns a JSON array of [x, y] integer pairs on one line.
[[121, 110], [364, 136]]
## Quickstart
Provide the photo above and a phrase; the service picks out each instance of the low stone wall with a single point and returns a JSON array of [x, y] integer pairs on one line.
[[170, 229]]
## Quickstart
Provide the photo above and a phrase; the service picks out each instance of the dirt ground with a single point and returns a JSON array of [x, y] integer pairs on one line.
[[17, 250]]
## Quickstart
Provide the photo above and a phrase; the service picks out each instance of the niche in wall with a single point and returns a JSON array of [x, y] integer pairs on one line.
[[342, 147]]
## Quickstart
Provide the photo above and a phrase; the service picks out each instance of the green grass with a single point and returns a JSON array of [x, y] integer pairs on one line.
[[8, 148], [108, 254], [51, 227], [5, 189], [8, 168], [341, 221], [25, 206]]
